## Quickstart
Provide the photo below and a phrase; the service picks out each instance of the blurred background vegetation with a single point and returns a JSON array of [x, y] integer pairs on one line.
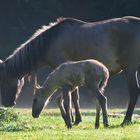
[[21, 18]]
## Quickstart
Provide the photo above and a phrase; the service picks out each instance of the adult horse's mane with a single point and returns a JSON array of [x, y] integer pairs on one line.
[[32, 50], [36, 34]]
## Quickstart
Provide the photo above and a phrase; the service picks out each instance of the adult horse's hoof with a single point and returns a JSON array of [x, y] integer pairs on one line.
[[106, 125], [96, 127], [126, 122]]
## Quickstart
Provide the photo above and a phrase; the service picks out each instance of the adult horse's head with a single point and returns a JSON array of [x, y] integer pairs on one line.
[[10, 87]]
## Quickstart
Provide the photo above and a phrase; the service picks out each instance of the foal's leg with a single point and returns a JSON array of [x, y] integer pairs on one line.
[[103, 102], [67, 106], [98, 109], [92, 85], [75, 99], [61, 107], [133, 94]]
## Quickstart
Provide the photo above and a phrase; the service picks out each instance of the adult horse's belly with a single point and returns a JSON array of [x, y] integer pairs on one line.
[[84, 47], [110, 60], [104, 54]]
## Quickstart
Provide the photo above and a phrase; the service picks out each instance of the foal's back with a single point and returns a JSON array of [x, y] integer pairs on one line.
[[75, 72]]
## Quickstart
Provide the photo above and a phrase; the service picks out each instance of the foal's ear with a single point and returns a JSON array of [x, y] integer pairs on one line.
[[37, 86]]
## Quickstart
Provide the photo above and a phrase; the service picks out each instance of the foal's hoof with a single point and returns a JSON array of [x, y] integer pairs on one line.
[[69, 126], [77, 121]]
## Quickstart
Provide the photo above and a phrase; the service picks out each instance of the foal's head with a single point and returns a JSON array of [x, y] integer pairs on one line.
[[38, 101]]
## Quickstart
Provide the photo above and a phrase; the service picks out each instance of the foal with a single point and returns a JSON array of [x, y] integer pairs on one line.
[[66, 78]]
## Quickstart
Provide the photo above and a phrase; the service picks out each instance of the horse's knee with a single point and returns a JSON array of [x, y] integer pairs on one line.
[[66, 106], [75, 95], [59, 100], [102, 99]]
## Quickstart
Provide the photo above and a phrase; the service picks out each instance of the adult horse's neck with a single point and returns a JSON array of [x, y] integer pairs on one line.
[[29, 56]]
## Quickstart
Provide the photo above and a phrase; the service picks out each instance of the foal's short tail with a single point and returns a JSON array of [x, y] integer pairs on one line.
[[104, 81]]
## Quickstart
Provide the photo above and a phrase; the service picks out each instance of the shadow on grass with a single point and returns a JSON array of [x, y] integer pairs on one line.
[[120, 126], [85, 113], [114, 126], [136, 111]]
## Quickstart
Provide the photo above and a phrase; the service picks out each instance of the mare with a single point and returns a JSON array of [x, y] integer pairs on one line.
[[114, 42]]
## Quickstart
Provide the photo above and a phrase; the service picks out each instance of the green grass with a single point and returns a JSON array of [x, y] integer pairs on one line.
[[18, 124]]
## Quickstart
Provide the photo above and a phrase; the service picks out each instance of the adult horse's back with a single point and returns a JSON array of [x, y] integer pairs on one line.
[[114, 42]]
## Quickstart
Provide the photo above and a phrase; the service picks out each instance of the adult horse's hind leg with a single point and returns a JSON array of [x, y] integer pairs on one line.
[[133, 93], [75, 99]]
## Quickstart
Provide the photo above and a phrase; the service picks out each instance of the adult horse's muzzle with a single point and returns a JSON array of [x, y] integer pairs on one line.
[[7, 104]]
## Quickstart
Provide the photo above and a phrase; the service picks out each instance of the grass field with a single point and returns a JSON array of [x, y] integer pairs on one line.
[[50, 126]]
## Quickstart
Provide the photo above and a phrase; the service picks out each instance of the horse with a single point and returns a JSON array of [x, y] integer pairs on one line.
[[114, 42], [66, 78]]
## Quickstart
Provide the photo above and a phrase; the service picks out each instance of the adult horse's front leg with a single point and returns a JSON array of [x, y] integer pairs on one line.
[[133, 94], [75, 99]]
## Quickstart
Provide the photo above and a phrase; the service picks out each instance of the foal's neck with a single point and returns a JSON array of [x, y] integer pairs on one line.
[[49, 86]]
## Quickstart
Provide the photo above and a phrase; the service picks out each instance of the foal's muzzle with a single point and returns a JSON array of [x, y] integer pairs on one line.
[[34, 115]]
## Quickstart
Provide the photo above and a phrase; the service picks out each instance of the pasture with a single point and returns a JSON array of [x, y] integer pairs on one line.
[[18, 124]]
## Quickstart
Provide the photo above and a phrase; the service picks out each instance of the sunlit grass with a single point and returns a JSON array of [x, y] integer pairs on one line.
[[50, 126]]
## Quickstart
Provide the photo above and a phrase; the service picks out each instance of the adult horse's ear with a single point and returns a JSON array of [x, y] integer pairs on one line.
[[19, 86], [20, 83]]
